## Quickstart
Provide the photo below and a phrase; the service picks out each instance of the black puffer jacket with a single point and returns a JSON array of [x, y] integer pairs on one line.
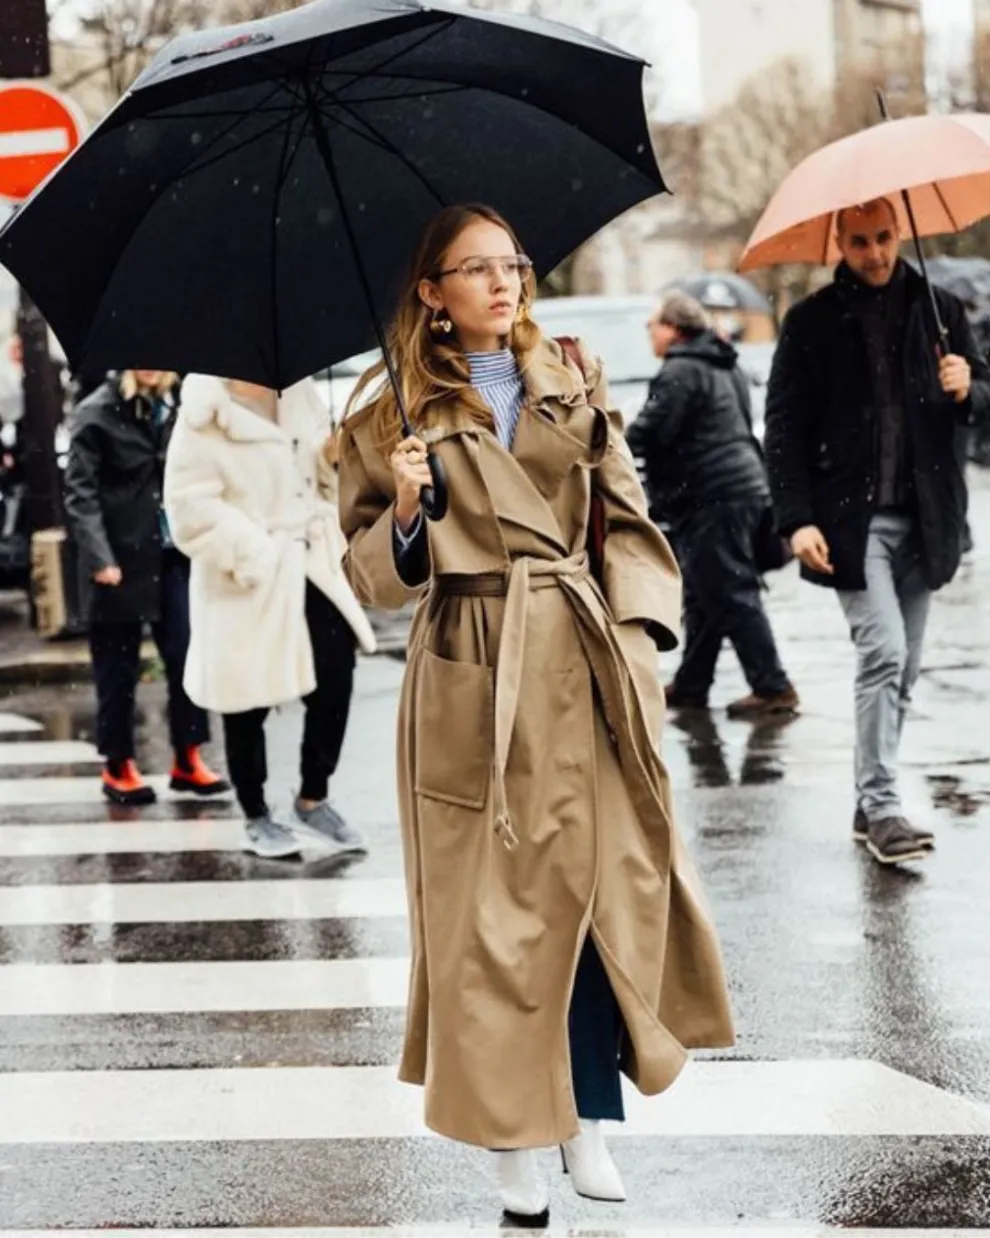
[[695, 433], [113, 496], [822, 438]]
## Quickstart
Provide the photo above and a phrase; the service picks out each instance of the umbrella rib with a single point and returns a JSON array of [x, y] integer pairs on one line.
[[285, 164], [192, 169], [379, 139], [945, 206]]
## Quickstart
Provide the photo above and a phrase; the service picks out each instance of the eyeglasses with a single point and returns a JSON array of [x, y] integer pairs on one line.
[[479, 270]]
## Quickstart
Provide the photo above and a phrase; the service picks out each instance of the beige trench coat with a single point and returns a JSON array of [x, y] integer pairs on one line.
[[534, 804]]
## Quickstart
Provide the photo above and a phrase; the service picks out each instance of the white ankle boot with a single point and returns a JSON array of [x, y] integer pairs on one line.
[[523, 1189], [593, 1173]]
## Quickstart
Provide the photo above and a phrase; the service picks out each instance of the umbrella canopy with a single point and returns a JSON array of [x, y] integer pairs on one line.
[[723, 290], [944, 161], [261, 187]]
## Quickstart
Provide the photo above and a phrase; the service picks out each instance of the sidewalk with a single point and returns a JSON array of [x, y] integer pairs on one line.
[[26, 660]]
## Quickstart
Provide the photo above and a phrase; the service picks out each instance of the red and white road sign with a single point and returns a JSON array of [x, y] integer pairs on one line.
[[38, 129]]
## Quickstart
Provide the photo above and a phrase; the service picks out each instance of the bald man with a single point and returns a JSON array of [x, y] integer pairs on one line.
[[866, 427]]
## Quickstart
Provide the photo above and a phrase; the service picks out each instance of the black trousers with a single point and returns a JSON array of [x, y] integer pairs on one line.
[[116, 653], [723, 599], [327, 709]]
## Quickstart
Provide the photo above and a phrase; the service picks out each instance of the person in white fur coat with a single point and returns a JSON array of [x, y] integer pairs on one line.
[[251, 499]]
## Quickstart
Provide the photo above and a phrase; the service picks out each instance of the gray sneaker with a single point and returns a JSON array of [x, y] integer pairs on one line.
[[325, 824], [269, 839]]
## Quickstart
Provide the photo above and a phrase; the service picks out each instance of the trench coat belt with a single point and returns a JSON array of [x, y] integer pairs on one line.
[[525, 576]]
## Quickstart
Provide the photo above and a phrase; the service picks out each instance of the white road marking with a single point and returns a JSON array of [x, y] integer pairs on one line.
[[180, 902], [712, 1100], [12, 724], [49, 752], [160, 988]]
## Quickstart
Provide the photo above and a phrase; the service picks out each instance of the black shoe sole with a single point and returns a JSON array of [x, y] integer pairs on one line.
[[220, 787], [131, 799], [525, 1220]]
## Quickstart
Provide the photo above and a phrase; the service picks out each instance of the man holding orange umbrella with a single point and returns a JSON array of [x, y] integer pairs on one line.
[[875, 382]]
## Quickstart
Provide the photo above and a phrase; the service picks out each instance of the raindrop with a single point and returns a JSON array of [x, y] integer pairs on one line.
[[362, 206], [524, 93], [196, 138], [256, 189], [324, 216], [640, 148], [427, 113], [577, 185], [237, 181]]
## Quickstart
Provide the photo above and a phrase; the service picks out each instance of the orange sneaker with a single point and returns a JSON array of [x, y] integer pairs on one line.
[[126, 786], [191, 773]]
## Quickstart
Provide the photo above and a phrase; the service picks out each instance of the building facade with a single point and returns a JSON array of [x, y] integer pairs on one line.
[[740, 38]]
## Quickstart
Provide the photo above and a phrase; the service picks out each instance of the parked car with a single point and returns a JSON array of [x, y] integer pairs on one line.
[[615, 329]]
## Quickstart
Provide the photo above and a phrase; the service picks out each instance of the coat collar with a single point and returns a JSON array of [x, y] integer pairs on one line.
[[549, 379], [206, 401]]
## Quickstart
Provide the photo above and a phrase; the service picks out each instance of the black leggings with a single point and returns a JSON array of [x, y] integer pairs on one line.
[[327, 710]]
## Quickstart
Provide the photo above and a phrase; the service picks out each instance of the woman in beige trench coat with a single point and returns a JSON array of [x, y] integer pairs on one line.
[[550, 895]]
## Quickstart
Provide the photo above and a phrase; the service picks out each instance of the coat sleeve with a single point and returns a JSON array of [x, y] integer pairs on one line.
[[974, 411], [664, 413], [788, 430], [82, 496], [204, 525], [367, 516], [642, 582]]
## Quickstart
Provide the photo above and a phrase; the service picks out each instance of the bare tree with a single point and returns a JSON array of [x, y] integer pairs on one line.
[[115, 39]]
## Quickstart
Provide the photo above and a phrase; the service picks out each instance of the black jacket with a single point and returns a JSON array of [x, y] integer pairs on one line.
[[113, 495], [695, 433], [822, 435]]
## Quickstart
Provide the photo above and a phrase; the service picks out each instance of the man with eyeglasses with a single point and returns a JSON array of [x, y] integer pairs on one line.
[[867, 420]]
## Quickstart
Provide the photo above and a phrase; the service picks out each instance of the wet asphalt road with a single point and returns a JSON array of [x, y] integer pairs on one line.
[[139, 959]]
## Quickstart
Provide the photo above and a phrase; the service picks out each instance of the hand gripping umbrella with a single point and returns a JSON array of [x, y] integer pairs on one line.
[[247, 209]]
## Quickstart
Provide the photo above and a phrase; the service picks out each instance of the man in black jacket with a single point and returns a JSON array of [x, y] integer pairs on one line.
[[867, 421], [131, 574], [705, 477]]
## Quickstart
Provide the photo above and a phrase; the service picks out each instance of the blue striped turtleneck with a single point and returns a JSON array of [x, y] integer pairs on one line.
[[496, 378]]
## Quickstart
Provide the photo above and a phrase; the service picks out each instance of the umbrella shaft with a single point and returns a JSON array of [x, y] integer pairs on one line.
[[326, 154]]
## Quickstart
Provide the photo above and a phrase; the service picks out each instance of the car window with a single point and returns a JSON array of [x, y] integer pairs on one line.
[[616, 333]]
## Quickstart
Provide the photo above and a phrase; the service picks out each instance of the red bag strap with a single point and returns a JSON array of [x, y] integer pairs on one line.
[[570, 346]]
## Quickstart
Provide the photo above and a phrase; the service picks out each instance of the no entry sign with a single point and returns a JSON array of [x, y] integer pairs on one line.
[[38, 129]]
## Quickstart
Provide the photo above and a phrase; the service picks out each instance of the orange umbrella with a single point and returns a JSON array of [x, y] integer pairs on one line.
[[942, 161]]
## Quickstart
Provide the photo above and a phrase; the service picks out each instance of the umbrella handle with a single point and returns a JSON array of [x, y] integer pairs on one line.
[[434, 498]]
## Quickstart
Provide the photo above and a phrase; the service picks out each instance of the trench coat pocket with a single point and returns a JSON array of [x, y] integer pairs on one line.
[[455, 730]]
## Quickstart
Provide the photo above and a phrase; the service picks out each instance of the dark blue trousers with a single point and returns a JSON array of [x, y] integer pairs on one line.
[[596, 1029]]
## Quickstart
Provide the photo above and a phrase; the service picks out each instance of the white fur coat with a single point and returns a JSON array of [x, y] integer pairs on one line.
[[251, 502]]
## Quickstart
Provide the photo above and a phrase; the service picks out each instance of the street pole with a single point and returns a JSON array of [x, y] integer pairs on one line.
[[25, 53], [42, 414]]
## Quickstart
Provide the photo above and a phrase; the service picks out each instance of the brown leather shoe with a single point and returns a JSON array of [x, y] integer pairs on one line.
[[892, 841], [861, 831], [753, 706]]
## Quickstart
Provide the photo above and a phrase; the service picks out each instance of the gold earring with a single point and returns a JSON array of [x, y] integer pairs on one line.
[[522, 314], [440, 325]]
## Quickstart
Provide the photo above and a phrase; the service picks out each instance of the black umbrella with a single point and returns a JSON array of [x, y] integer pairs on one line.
[[248, 208]]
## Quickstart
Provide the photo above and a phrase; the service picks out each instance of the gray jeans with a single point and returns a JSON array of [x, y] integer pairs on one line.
[[887, 622]]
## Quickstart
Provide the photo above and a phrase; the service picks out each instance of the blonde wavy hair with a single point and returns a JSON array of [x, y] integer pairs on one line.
[[433, 373], [129, 386]]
